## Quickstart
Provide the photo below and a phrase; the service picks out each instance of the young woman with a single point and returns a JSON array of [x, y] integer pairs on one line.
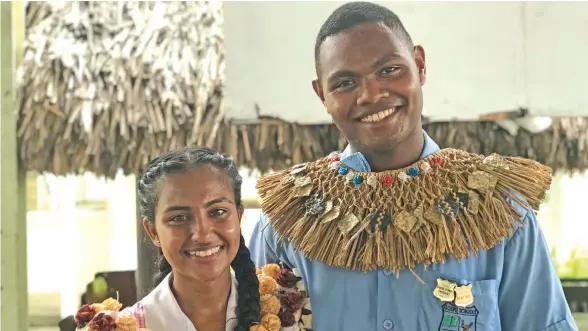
[[190, 201]]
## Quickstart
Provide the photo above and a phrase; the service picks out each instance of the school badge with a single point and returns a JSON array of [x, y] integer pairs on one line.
[[458, 318], [445, 290]]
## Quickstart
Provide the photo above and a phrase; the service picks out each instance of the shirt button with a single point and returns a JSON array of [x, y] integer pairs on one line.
[[387, 272], [388, 325]]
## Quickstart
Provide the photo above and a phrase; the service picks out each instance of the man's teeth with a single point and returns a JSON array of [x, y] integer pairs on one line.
[[378, 116], [205, 253]]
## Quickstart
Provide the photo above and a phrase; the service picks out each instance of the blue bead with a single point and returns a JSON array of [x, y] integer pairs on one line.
[[413, 172], [357, 180], [343, 170]]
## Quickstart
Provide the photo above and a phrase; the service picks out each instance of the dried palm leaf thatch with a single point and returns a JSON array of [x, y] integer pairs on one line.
[[109, 85], [273, 144]]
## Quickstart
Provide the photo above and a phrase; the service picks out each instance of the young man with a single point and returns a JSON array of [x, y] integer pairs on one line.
[[394, 233]]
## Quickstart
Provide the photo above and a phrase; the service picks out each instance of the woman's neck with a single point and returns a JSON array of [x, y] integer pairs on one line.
[[205, 303]]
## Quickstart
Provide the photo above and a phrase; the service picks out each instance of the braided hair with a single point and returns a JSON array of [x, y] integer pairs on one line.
[[184, 159]]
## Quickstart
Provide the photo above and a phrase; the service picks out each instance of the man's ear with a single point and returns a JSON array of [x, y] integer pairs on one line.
[[419, 59], [151, 232], [316, 86]]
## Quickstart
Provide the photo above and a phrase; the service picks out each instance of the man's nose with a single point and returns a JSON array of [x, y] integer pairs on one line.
[[371, 92]]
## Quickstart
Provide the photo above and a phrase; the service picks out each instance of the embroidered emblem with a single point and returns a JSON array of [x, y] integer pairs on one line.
[[457, 318]]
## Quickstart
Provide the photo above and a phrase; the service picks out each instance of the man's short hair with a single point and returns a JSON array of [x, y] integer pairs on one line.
[[355, 13]]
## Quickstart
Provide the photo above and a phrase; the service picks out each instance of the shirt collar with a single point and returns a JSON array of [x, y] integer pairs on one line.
[[358, 162], [163, 305]]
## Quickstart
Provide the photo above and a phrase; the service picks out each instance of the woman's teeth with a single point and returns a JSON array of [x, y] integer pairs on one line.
[[378, 116], [205, 253]]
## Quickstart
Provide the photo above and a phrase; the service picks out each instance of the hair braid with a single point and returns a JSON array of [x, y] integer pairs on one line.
[[248, 307]]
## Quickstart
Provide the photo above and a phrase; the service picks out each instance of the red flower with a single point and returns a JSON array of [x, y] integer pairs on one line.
[[388, 180], [103, 322], [287, 318], [437, 161], [84, 315], [290, 301], [287, 278]]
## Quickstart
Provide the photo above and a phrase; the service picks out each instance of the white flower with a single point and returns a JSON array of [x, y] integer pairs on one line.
[[403, 176], [372, 181]]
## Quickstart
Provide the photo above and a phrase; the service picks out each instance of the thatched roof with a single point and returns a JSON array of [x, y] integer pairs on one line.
[[274, 144], [111, 85]]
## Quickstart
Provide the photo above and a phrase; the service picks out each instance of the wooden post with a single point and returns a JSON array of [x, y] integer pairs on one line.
[[13, 281]]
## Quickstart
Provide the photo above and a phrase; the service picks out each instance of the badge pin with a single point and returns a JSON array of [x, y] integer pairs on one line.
[[445, 290], [464, 296]]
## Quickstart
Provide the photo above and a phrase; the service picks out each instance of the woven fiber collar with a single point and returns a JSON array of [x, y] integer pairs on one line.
[[446, 204]]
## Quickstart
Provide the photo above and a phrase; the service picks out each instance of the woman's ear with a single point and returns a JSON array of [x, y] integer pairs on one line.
[[240, 211], [151, 232]]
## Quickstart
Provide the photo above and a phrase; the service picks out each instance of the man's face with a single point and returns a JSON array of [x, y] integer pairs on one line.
[[370, 82]]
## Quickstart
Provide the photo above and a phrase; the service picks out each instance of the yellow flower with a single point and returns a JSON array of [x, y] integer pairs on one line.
[[269, 304], [271, 322], [126, 322], [112, 304], [99, 307], [267, 285], [272, 270], [257, 327]]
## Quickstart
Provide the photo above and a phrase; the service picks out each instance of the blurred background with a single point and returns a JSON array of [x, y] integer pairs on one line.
[[91, 91]]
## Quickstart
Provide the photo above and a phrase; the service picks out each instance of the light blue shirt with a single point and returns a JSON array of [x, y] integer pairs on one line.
[[515, 284]]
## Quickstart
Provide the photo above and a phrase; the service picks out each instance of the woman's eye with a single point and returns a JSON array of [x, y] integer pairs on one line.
[[179, 219], [217, 213]]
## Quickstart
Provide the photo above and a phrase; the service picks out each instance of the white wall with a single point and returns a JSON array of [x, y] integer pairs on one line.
[[482, 57]]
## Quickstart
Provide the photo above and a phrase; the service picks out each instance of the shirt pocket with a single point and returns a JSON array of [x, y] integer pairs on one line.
[[436, 315]]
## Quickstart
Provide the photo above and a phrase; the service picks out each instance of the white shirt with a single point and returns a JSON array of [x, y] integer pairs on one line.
[[160, 311]]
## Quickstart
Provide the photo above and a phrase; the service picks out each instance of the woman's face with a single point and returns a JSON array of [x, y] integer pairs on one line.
[[197, 222]]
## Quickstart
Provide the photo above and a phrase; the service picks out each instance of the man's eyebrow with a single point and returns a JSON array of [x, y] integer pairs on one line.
[[386, 58]]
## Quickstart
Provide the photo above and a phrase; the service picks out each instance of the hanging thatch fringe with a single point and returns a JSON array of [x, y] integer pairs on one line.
[[109, 85]]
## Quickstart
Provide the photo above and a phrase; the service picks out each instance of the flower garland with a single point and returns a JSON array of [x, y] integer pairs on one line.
[[285, 305], [105, 316]]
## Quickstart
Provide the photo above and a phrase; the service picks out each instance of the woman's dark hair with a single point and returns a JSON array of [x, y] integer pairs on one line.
[[182, 160]]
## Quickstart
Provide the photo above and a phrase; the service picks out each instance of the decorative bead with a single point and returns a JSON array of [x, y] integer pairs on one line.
[[343, 170], [425, 167], [357, 180], [403, 176], [372, 181], [413, 172], [388, 180], [334, 165], [436, 161], [335, 158]]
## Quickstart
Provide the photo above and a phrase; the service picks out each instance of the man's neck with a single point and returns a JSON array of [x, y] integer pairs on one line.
[[402, 155]]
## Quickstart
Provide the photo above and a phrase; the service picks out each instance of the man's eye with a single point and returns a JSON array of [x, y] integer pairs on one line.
[[344, 84], [389, 70]]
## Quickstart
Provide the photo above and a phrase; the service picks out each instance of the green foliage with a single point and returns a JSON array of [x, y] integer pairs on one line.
[[575, 266]]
